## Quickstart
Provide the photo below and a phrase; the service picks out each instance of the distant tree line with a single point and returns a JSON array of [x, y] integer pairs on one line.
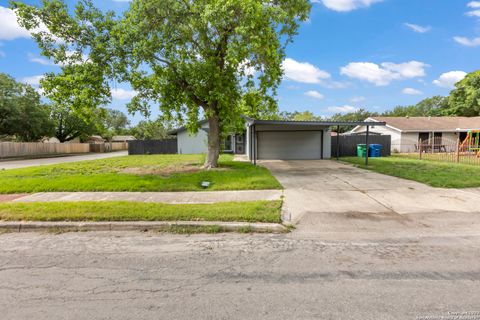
[[24, 117], [464, 100]]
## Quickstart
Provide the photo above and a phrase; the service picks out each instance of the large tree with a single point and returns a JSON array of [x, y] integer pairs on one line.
[[22, 114], [113, 122], [194, 58], [151, 129], [464, 100], [70, 125]]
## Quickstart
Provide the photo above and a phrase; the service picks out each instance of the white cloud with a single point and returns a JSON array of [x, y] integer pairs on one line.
[[40, 60], [303, 72], [418, 28], [123, 94], [385, 73], [411, 91], [346, 5], [448, 79], [246, 68], [342, 109], [473, 13], [474, 42], [474, 4], [34, 81], [314, 94], [357, 99], [10, 29]]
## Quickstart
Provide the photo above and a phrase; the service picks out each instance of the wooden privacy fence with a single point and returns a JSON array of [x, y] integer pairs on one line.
[[33, 149], [25, 149], [165, 146], [108, 147], [348, 144]]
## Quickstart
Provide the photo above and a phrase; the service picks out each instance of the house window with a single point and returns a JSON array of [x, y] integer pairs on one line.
[[227, 144], [437, 138], [424, 137]]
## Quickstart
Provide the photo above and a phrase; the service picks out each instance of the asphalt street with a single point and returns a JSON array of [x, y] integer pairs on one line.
[[104, 275]]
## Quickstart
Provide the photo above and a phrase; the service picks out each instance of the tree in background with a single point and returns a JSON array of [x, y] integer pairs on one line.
[[196, 58], [430, 107], [22, 115], [298, 116], [69, 125], [358, 115], [113, 122], [150, 130], [464, 100]]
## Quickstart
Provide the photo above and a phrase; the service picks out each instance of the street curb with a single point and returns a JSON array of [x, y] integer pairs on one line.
[[34, 226]]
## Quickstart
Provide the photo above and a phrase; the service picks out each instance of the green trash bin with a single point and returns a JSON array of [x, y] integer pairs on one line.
[[361, 150]]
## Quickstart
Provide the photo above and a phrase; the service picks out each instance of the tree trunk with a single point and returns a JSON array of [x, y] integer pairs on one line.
[[211, 160]]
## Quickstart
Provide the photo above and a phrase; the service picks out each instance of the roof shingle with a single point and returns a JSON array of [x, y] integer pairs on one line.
[[431, 123]]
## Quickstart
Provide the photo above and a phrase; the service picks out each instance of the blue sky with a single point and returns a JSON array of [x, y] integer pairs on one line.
[[351, 53]]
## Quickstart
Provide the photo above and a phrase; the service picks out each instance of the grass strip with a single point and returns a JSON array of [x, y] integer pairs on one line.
[[433, 173], [254, 211]]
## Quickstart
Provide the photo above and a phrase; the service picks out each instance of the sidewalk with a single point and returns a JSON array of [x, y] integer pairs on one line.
[[23, 163], [160, 197]]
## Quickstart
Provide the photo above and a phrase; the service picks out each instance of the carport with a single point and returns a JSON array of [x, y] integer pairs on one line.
[[295, 140]]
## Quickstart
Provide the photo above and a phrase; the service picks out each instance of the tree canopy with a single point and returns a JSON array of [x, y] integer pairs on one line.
[[464, 100], [430, 107], [22, 115], [193, 58], [151, 129]]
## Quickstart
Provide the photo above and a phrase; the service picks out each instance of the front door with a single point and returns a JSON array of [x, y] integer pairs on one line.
[[240, 144]]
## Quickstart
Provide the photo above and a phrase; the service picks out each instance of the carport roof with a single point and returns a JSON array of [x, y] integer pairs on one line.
[[252, 121]]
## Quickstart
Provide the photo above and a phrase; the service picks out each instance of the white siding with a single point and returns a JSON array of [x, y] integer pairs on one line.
[[409, 140], [327, 144], [191, 144], [395, 134]]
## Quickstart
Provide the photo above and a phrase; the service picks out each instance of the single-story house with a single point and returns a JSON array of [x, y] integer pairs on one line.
[[408, 133], [269, 139], [197, 143], [123, 138]]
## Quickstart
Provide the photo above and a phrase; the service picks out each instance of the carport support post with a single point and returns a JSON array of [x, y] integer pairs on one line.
[[254, 146], [366, 144], [338, 142]]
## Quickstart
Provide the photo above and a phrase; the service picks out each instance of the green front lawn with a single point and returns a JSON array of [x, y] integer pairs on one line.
[[138, 173], [254, 211], [433, 173]]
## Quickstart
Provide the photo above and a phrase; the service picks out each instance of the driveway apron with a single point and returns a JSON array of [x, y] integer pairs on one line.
[[332, 199]]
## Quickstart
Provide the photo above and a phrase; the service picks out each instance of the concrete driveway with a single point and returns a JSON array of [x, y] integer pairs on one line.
[[331, 199]]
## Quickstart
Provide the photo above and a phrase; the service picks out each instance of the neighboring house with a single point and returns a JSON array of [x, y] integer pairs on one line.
[[123, 138], [95, 139], [408, 133]]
